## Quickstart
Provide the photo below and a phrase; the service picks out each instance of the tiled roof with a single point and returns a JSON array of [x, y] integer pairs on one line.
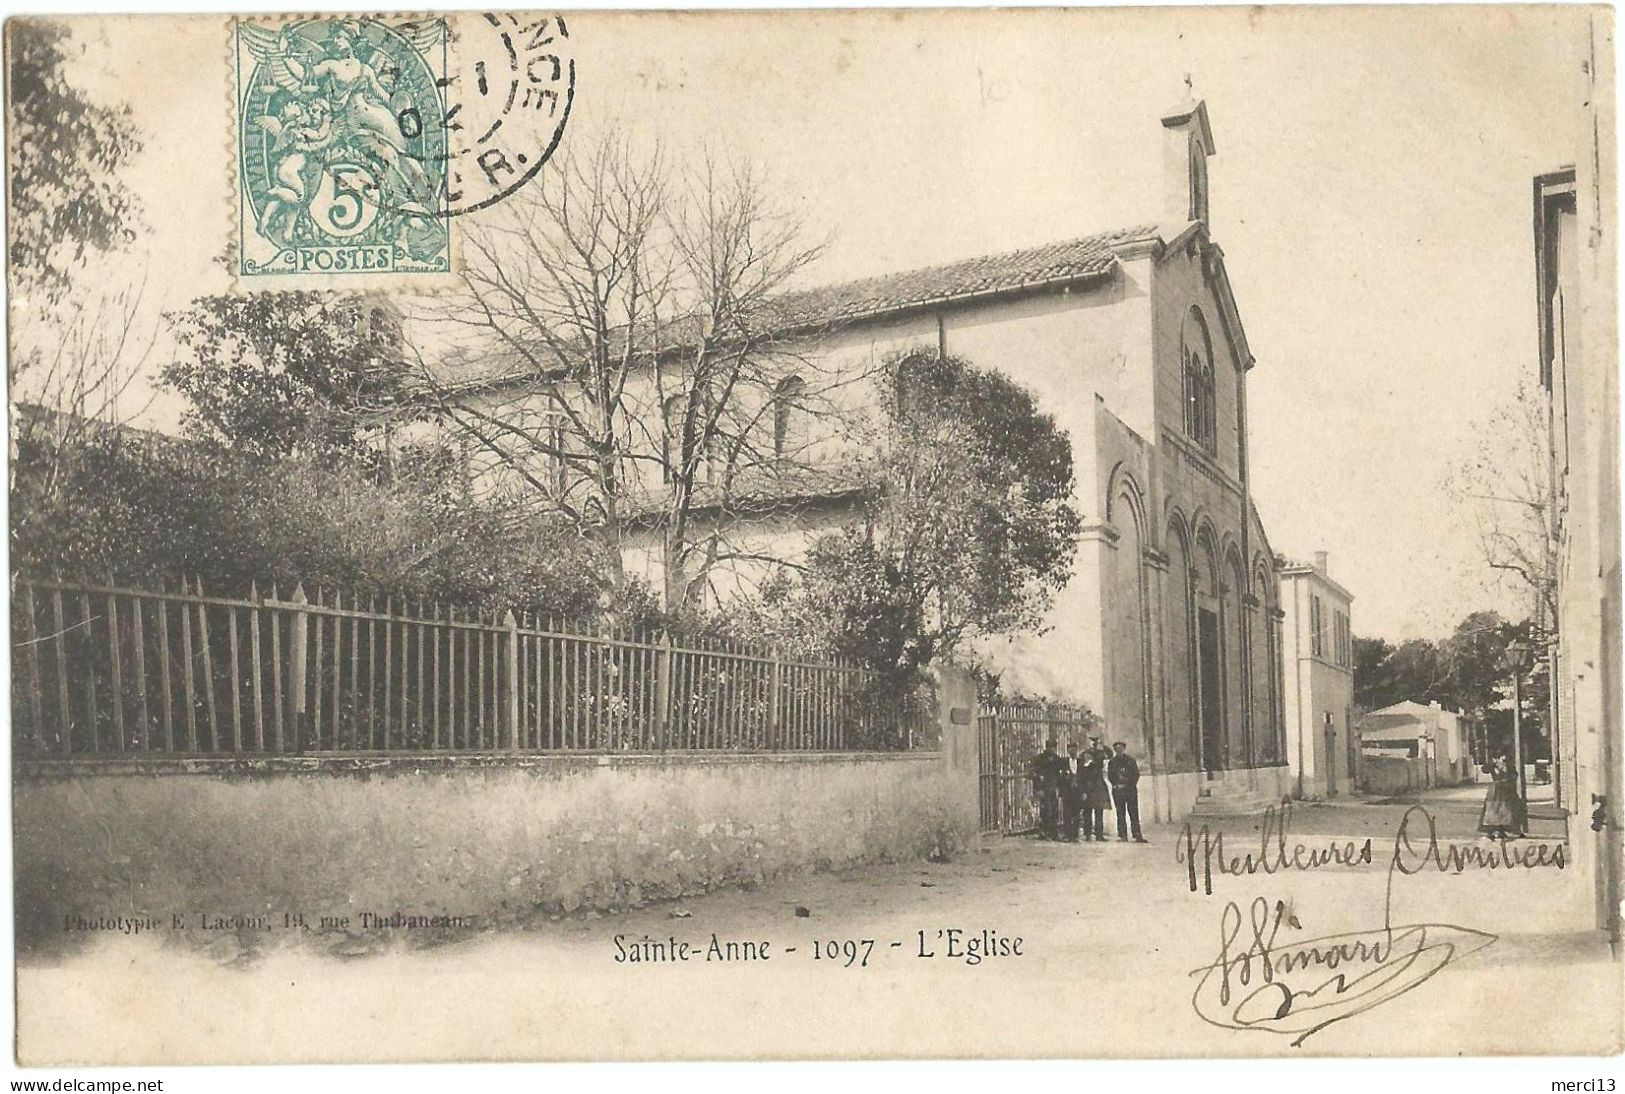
[[762, 489], [1075, 259]]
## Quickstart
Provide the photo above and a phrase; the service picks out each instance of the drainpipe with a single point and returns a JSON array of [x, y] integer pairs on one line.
[[1297, 668]]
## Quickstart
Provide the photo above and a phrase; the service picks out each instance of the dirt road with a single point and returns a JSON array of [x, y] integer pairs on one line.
[[1108, 938]]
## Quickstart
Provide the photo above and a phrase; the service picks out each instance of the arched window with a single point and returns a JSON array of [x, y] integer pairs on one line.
[[786, 410], [1197, 356], [1198, 182]]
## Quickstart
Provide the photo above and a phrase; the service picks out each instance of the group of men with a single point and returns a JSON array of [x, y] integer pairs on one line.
[[1074, 791]]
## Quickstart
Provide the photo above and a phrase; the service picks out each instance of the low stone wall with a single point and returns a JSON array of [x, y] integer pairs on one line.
[[1390, 775], [499, 839]]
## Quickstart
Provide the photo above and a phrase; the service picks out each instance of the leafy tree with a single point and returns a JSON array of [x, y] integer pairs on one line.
[[1414, 670], [1374, 683], [145, 507], [274, 375], [969, 528], [1477, 653], [1463, 672], [65, 155], [73, 354], [1473, 655]]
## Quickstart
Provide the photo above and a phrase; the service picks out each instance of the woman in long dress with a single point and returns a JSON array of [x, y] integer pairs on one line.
[[1504, 813]]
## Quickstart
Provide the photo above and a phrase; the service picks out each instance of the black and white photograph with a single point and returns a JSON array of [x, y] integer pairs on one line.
[[808, 535]]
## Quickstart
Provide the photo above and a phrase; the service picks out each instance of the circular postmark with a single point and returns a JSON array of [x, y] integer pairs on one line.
[[360, 138], [509, 101]]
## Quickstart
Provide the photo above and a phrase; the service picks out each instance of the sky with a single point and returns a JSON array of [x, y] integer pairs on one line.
[[1371, 193]]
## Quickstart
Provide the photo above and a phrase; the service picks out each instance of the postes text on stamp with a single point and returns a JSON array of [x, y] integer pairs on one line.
[[342, 148]]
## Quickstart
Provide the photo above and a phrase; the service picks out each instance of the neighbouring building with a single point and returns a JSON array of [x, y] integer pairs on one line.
[[1576, 251], [1413, 746], [1321, 752], [1170, 625]]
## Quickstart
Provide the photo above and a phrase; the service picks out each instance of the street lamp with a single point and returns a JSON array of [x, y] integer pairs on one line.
[[1516, 660]]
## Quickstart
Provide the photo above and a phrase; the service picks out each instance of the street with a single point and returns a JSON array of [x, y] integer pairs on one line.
[[1108, 936]]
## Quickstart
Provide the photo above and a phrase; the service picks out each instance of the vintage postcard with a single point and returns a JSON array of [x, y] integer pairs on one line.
[[846, 534]]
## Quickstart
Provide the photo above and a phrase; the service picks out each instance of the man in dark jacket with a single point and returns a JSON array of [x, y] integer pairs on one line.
[[1071, 794], [1124, 775], [1045, 773]]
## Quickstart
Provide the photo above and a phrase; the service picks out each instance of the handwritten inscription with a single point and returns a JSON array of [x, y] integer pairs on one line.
[[1274, 855], [1413, 854], [1417, 847], [1261, 982], [1264, 980]]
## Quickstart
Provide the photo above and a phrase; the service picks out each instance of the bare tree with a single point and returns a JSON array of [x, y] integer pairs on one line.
[[77, 381], [1507, 485], [626, 355]]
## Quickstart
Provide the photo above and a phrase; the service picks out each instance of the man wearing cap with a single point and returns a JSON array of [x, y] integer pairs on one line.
[[1124, 775]]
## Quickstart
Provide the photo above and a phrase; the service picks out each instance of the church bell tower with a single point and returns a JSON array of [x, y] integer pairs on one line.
[[1187, 144]]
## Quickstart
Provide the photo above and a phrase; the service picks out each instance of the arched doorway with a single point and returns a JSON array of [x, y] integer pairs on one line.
[[1184, 737], [1209, 654], [1237, 738]]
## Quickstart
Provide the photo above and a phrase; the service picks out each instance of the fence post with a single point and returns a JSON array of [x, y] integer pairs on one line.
[[663, 691], [298, 639], [512, 624], [774, 724]]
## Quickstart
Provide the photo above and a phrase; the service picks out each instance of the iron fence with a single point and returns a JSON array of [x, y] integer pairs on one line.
[[108, 670], [1009, 736]]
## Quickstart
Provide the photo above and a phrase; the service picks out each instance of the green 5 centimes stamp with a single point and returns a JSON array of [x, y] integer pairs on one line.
[[342, 149]]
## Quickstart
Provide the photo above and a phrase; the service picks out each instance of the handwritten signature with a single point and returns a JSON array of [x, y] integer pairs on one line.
[[1298, 989], [1260, 981]]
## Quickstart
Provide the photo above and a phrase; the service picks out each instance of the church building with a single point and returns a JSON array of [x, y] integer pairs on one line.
[[1170, 625]]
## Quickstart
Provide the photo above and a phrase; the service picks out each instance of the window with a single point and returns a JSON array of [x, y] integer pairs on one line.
[[1197, 361], [1198, 182], [1317, 644], [786, 410]]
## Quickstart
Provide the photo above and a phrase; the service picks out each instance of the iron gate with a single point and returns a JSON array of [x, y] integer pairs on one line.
[[1008, 737]]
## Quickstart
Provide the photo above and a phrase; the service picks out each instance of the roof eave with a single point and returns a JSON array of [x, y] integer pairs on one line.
[[858, 318]]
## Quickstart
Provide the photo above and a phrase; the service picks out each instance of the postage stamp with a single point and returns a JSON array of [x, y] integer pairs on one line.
[[342, 148], [361, 139]]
